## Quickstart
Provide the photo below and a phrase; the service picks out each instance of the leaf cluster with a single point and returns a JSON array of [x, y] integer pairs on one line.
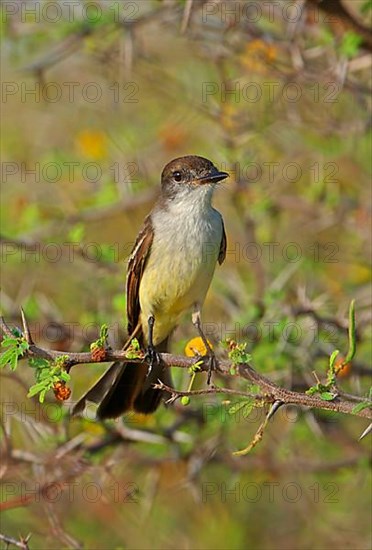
[[47, 375], [17, 346]]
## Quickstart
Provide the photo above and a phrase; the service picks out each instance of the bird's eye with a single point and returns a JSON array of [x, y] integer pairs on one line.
[[177, 176]]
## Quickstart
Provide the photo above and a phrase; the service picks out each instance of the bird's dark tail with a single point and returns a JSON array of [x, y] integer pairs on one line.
[[127, 386]]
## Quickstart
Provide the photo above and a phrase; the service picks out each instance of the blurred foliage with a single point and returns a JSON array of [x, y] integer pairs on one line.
[[96, 99]]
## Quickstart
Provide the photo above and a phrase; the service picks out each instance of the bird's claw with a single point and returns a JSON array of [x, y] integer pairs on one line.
[[211, 361], [152, 357]]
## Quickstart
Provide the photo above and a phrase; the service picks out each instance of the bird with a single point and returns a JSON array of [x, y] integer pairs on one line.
[[169, 272]]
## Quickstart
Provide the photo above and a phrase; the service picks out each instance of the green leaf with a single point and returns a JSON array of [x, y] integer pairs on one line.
[[23, 346], [134, 350], [254, 388], [7, 357], [327, 396], [14, 362], [9, 342], [100, 342], [60, 362], [238, 407], [17, 347], [44, 374], [185, 400], [248, 408], [38, 363], [331, 375], [195, 367], [332, 359], [42, 396], [64, 376], [237, 353], [36, 388], [352, 336], [361, 406]]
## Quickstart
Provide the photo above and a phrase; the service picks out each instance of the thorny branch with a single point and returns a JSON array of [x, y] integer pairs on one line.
[[21, 543], [270, 392]]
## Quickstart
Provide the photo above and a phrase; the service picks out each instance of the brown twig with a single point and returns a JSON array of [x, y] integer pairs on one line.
[[261, 429], [21, 543], [271, 392], [208, 391]]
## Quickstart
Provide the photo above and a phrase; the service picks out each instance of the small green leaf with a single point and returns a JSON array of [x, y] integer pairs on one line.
[[238, 407], [61, 361], [195, 367], [248, 408], [332, 359], [352, 336], [42, 395], [38, 362], [23, 346], [134, 350], [64, 376], [36, 388], [254, 388], [185, 400], [135, 344], [237, 353], [14, 362], [44, 374], [9, 342], [7, 357], [327, 396], [17, 346], [361, 406], [101, 342]]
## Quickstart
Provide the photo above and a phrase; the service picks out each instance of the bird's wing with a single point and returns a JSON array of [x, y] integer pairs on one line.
[[103, 389], [223, 245], [136, 266]]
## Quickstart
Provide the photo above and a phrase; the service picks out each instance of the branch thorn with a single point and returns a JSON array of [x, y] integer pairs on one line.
[[26, 329], [366, 432]]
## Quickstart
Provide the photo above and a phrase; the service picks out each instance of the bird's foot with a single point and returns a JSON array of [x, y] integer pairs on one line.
[[210, 360], [152, 357]]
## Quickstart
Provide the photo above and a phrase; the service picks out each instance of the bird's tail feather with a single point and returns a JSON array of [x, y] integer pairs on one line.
[[126, 386]]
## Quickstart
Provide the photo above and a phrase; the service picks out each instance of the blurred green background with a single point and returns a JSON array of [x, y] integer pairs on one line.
[[96, 98]]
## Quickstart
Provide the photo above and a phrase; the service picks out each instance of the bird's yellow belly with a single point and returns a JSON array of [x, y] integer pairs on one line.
[[172, 284]]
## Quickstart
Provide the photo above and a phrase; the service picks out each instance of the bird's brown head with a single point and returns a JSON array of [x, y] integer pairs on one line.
[[188, 173]]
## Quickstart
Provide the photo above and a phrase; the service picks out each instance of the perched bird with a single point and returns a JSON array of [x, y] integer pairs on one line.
[[169, 272]]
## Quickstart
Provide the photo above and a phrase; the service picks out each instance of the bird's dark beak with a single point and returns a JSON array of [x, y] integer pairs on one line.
[[213, 177]]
